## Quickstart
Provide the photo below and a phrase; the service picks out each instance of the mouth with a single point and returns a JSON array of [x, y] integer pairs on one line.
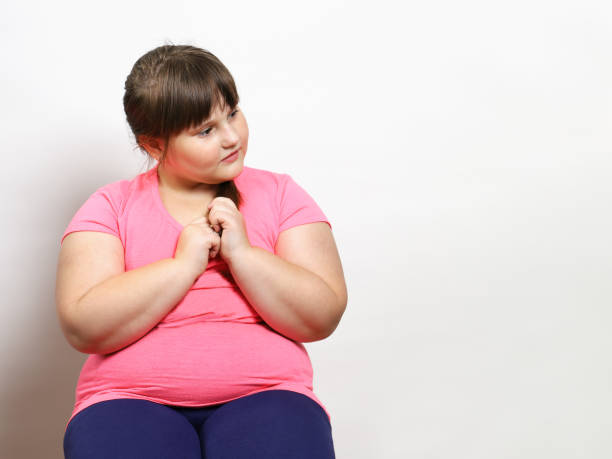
[[233, 155]]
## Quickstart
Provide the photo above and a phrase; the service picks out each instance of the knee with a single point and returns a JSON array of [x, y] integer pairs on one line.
[[271, 424], [130, 428]]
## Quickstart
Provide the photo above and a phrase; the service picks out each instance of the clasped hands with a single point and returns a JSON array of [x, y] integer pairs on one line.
[[221, 232], [226, 220]]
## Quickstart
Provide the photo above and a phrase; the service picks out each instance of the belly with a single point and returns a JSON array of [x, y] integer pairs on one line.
[[198, 364]]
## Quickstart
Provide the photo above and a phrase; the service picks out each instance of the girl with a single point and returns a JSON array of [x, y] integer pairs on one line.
[[193, 285]]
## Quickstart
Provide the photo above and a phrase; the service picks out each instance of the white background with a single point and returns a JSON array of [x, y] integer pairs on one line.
[[461, 151]]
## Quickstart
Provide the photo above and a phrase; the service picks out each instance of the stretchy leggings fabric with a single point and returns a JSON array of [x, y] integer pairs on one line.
[[271, 424]]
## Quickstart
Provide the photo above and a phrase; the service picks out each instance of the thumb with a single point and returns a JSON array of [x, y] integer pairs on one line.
[[200, 219]]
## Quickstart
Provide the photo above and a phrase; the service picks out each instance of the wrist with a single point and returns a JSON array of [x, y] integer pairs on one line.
[[239, 256], [183, 269]]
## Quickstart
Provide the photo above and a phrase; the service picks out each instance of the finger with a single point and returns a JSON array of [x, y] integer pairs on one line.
[[211, 217], [213, 222], [221, 218], [222, 201], [213, 229], [216, 220], [216, 245], [199, 220]]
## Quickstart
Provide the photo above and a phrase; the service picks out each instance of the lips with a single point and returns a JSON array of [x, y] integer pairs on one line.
[[232, 155]]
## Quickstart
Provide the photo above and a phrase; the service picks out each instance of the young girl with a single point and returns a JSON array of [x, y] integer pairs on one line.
[[194, 284]]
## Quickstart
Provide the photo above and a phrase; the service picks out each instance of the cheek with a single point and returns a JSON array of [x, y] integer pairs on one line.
[[245, 134], [201, 154], [243, 127]]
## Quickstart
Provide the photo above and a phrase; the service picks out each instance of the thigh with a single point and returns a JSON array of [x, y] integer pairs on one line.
[[130, 429], [271, 424]]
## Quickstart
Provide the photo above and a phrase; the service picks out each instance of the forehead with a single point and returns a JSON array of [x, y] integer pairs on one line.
[[220, 110]]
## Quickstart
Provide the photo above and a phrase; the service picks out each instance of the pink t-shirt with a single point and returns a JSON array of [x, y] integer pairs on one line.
[[212, 347]]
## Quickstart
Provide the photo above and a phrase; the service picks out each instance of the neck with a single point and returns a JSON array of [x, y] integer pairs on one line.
[[183, 187]]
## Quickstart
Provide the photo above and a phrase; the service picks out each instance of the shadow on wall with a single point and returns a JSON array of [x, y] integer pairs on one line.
[[40, 369], [38, 393]]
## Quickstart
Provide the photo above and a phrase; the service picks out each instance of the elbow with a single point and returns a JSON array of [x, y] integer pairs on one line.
[[82, 341], [78, 338], [71, 325], [91, 344], [87, 345], [78, 341], [324, 328], [317, 334], [336, 311], [82, 334], [313, 335]]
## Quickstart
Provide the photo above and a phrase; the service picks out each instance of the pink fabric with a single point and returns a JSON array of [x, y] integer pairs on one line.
[[212, 347]]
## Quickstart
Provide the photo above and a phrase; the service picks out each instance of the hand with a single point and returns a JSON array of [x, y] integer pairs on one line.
[[225, 217], [197, 243]]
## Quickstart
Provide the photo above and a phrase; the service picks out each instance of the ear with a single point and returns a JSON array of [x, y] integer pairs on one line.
[[153, 146]]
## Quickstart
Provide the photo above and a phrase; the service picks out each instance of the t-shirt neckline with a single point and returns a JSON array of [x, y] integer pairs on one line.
[[160, 204], [158, 201]]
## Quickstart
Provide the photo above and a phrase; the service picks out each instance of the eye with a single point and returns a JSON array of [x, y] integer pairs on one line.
[[233, 113], [205, 132]]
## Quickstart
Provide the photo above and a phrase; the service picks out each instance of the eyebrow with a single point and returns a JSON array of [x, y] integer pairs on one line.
[[203, 124], [209, 121]]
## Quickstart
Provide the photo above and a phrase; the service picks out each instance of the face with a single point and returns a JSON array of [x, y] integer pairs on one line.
[[210, 153]]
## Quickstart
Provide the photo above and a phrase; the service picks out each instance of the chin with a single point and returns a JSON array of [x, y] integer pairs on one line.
[[239, 164], [236, 170]]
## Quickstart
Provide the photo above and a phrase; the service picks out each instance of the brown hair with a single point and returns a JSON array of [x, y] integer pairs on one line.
[[176, 87]]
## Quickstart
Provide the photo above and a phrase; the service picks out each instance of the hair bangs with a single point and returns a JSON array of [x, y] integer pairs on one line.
[[190, 93]]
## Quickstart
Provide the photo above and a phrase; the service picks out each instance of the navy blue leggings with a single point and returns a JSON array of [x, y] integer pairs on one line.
[[270, 424]]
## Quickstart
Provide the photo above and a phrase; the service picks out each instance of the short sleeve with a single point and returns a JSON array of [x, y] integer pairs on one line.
[[99, 213], [297, 207]]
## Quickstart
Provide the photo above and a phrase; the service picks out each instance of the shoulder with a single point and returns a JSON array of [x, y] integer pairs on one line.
[[252, 176], [118, 194], [260, 183]]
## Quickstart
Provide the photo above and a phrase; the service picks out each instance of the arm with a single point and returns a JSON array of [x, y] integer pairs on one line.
[[102, 308], [300, 291]]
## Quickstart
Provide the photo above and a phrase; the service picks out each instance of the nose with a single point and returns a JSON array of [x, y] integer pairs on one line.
[[229, 136]]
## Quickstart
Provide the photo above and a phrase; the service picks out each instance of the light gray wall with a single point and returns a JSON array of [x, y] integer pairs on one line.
[[462, 152]]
